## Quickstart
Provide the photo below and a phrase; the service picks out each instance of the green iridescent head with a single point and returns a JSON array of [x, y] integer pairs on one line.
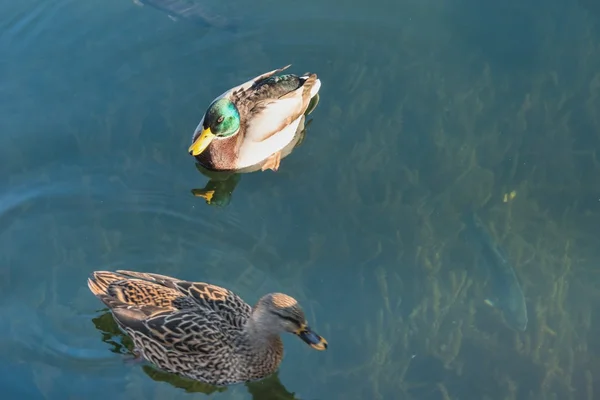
[[222, 119]]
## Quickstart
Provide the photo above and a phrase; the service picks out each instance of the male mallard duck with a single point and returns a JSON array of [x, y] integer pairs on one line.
[[251, 123], [201, 331]]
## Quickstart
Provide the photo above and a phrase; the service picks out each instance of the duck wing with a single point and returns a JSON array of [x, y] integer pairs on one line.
[[283, 105], [240, 89], [207, 297], [118, 291]]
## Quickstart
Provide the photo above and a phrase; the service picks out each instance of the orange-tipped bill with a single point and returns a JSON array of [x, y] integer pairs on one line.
[[311, 338]]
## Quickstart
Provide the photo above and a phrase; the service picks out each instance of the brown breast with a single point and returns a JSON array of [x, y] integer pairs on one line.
[[221, 154]]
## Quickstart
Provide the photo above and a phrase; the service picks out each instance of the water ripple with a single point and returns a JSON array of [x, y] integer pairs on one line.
[[29, 21], [34, 338]]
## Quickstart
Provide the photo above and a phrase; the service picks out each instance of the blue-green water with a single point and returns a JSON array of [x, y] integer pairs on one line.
[[426, 106]]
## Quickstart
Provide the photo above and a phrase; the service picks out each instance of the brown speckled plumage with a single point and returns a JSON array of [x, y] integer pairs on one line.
[[198, 330], [259, 100]]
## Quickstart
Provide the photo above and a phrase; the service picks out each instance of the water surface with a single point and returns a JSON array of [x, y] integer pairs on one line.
[[426, 107]]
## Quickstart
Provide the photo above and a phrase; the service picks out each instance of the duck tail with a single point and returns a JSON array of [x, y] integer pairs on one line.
[[311, 86]]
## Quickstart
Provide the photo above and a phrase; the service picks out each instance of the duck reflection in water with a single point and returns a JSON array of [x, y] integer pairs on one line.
[[269, 388]]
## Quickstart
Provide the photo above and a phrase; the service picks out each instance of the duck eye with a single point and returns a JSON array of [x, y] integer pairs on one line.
[[292, 320], [289, 319], [220, 119]]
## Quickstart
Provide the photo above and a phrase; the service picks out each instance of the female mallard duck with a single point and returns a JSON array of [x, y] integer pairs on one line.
[[201, 331], [251, 123]]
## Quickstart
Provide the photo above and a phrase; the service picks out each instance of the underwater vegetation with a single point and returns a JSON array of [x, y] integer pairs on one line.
[[454, 128], [462, 138]]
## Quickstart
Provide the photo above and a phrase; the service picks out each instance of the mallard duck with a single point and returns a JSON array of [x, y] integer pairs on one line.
[[221, 184], [201, 331], [251, 123]]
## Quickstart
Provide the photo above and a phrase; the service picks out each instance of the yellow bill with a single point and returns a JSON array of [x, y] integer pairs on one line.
[[201, 142]]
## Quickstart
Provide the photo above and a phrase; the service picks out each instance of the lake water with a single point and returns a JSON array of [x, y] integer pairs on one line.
[[425, 107]]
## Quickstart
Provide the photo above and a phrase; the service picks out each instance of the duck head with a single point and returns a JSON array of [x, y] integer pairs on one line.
[[222, 120], [278, 312]]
